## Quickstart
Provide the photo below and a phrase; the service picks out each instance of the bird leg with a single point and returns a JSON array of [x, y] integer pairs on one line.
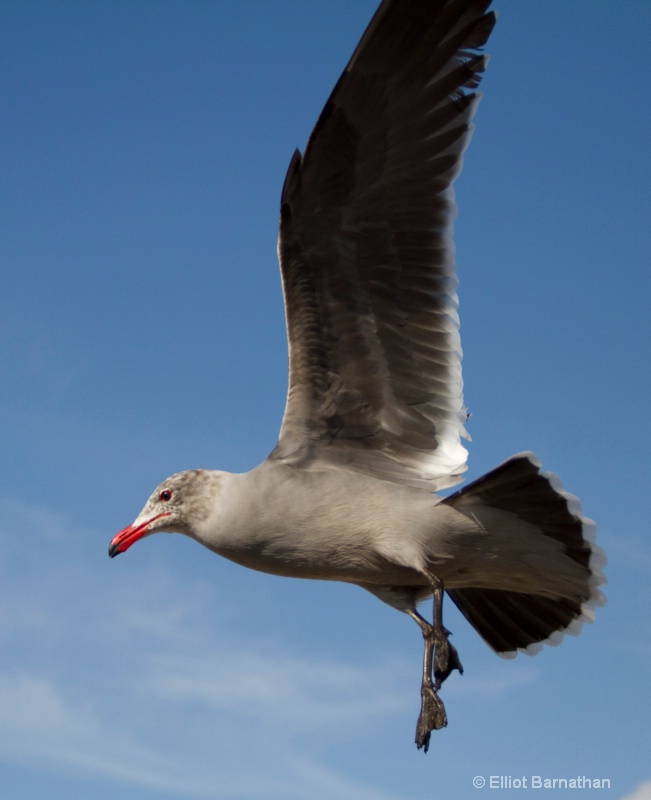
[[446, 657], [439, 657]]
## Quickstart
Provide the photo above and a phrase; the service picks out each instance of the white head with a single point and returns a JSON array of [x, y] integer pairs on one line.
[[179, 504]]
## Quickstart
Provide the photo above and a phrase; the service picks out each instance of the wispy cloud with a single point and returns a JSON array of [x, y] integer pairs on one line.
[[641, 792], [39, 726], [496, 682], [290, 693], [162, 697]]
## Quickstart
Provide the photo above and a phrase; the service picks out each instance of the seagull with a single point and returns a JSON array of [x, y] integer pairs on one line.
[[374, 419]]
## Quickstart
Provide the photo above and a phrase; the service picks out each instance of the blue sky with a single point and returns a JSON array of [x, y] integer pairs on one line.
[[144, 145]]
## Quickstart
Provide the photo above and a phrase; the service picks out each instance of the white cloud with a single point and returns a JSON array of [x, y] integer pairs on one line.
[[40, 727], [641, 792], [285, 692], [138, 685], [495, 682]]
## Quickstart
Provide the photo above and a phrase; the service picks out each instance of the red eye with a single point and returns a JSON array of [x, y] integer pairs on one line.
[[165, 495]]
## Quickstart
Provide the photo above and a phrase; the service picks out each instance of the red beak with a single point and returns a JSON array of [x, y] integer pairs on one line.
[[122, 541]]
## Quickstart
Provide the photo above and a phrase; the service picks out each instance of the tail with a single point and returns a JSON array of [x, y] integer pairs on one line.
[[515, 620]]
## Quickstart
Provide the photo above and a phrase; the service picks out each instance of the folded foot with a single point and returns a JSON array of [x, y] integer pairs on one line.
[[446, 658]]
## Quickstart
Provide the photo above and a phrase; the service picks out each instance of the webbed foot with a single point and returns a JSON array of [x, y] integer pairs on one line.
[[432, 716]]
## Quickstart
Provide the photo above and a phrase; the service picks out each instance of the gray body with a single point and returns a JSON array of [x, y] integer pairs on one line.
[[337, 525]]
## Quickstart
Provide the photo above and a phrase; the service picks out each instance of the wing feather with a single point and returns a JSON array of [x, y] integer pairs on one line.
[[367, 256]]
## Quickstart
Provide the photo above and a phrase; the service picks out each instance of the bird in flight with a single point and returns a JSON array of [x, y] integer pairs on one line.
[[374, 420]]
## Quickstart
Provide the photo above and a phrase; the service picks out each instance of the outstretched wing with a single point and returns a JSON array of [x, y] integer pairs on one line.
[[367, 257]]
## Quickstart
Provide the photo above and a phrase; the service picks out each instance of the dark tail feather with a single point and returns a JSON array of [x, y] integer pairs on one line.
[[509, 621]]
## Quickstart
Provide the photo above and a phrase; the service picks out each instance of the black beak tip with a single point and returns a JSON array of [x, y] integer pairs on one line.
[[113, 550]]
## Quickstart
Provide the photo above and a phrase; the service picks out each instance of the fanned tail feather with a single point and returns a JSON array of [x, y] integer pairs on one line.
[[510, 621]]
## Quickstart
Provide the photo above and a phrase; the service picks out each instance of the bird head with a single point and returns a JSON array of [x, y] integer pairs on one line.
[[174, 505]]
